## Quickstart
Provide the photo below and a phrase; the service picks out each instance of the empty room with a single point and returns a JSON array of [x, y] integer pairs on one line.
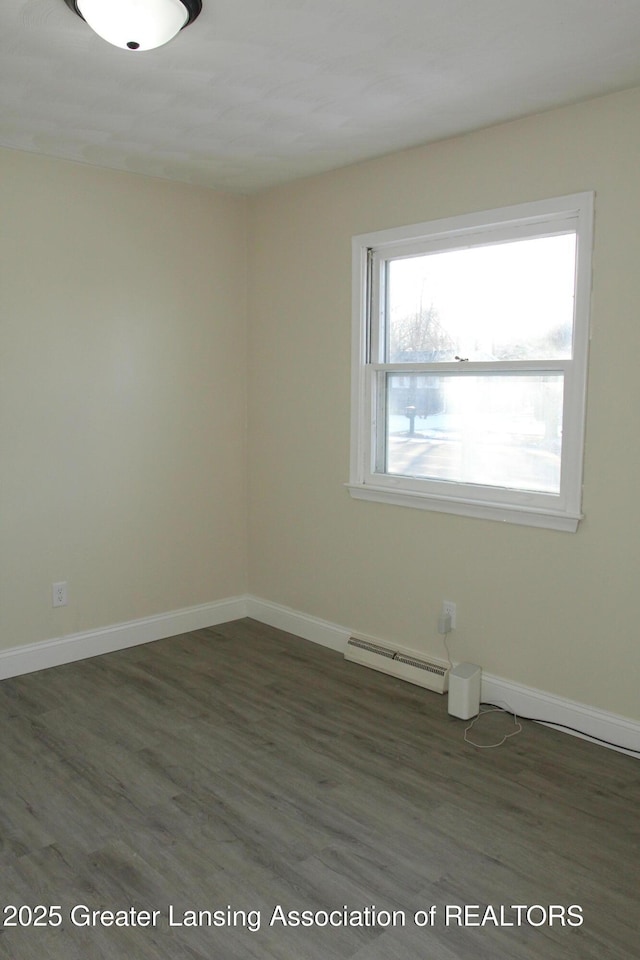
[[319, 472]]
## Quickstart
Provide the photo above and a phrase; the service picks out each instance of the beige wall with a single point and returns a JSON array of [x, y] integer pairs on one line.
[[122, 396], [123, 360], [551, 610]]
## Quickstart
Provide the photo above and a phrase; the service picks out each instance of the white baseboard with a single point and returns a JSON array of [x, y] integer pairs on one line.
[[79, 646], [301, 624], [620, 732], [588, 722]]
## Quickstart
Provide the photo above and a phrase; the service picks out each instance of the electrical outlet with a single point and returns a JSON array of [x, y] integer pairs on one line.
[[449, 607], [59, 594]]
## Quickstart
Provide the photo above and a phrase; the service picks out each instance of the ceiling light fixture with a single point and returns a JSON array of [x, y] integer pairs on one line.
[[136, 24]]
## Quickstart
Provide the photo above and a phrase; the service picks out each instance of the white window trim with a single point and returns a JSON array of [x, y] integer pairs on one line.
[[554, 512]]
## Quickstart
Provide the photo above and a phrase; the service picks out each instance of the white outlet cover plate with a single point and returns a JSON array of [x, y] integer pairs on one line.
[[449, 607]]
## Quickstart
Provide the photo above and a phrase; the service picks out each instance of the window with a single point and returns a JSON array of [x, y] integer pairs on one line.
[[470, 358]]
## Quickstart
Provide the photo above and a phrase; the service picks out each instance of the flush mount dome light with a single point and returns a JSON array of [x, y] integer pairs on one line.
[[136, 24]]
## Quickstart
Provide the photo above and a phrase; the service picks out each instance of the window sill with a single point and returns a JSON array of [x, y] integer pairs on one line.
[[526, 516]]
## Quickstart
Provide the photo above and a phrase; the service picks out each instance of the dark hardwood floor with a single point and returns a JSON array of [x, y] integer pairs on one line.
[[239, 769]]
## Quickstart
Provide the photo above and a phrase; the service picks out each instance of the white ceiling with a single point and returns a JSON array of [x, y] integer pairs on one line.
[[258, 92]]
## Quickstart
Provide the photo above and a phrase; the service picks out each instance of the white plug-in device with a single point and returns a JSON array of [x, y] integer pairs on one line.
[[464, 690]]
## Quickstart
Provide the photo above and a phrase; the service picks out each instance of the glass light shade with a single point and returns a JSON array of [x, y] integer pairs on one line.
[[135, 24]]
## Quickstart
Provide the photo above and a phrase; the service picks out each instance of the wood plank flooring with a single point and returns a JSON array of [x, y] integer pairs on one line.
[[238, 769]]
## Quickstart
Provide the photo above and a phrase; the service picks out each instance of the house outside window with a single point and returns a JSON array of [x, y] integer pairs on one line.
[[470, 344]]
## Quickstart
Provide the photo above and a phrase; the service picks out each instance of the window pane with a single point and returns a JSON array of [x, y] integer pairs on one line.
[[501, 301], [502, 431]]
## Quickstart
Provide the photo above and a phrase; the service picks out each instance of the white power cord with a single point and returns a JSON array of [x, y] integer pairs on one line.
[[444, 629], [495, 709]]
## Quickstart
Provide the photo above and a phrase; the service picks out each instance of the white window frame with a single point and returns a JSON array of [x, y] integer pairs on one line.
[[370, 252]]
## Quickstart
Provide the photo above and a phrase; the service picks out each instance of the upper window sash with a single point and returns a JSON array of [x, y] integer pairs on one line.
[[381, 258]]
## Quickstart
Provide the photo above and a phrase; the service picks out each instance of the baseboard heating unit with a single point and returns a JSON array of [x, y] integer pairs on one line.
[[403, 664]]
